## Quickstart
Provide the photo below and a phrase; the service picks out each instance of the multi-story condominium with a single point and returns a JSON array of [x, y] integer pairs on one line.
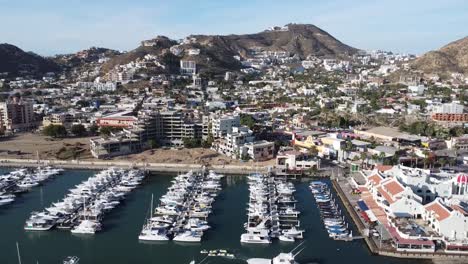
[[17, 115], [168, 128], [231, 145], [259, 150], [221, 126]]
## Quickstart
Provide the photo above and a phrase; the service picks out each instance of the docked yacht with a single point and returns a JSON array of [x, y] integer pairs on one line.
[[256, 237], [188, 236], [87, 227], [39, 224], [6, 200], [153, 234]]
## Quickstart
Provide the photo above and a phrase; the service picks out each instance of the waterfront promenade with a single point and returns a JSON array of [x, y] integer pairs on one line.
[[156, 167]]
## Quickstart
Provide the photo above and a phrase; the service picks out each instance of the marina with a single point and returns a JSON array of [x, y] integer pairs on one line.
[[23, 180], [123, 225], [271, 211], [332, 217], [183, 211], [83, 208]]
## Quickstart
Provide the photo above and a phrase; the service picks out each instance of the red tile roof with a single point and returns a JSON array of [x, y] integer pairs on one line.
[[385, 195], [375, 179], [393, 187], [440, 211], [384, 167], [459, 209]]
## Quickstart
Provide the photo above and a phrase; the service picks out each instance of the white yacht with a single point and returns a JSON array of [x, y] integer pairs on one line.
[[188, 236], [293, 232], [5, 201], [195, 224], [282, 258], [40, 224], [151, 234], [256, 237], [88, 227]]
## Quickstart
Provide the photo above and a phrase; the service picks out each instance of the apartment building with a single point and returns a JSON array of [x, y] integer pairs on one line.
[[17, 115], [221, 126], [168, 128], [63, 119]]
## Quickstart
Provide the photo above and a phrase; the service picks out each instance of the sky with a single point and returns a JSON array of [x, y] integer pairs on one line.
[[50, 27]]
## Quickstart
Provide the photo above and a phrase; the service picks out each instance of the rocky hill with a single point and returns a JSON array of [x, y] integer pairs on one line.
[[216, 53], [453, 57], [17, 62]]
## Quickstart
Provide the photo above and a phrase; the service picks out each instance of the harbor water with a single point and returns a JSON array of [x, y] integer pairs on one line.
[[118, 242]]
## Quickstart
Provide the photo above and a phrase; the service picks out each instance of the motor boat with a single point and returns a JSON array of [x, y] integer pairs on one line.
[[153, 234], [255, 238], [39, 224], [71, 260], [87, 227], [188, 236]]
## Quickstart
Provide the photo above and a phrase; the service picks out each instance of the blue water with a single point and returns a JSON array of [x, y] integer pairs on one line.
[[118, 243]]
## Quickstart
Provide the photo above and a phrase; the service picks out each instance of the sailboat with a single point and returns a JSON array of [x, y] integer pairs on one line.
[[152, 232]]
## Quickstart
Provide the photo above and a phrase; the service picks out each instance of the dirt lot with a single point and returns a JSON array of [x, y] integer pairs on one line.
[[25, 146], [188, 156]]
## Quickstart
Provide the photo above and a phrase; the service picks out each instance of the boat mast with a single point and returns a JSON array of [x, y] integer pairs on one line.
[[151, 209], [19, 256]]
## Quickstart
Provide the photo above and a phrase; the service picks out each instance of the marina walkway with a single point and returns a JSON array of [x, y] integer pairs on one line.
[[158, 167]]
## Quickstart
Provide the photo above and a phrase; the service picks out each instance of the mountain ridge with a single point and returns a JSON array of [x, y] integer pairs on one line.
[[450, 58]]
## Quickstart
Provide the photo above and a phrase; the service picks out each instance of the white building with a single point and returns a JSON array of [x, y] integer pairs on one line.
[[188, 67], [449, 108], [224, 125], [259, 150]]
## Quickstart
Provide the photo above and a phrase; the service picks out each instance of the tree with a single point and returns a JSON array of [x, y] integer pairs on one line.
[[245, 157], [313, 151], [191, 142], [153, 143], [442, 162], [381, 156], [55, 131], [363, 157], [247, 120], [78, 130]]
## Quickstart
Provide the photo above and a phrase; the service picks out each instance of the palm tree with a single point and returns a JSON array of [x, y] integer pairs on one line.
[[442, 162], [313, 151], [375, 157], [382, 156], [364, 158], [426, 158], [414, 156]]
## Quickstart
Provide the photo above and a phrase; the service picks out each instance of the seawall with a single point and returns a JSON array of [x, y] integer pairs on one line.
[[156, 167]]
